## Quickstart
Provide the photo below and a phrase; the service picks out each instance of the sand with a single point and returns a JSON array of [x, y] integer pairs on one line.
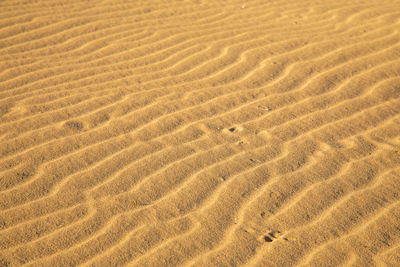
[[200, 133]]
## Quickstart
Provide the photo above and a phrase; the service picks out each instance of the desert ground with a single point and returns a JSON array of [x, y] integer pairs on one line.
[[200, 133]]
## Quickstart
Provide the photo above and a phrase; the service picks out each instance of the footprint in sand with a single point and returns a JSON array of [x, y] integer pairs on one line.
[[234, 129], [271, 236]]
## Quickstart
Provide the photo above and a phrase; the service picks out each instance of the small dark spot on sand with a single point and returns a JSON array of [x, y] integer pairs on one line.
[[232, 129], [267, 238]]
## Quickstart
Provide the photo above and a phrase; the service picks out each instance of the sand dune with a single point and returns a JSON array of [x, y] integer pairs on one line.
[[200, 133]]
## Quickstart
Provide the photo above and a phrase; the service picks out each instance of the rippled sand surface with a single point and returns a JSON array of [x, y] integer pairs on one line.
[[200, 133]]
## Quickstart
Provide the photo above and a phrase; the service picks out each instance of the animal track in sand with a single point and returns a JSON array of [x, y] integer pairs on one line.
[[234, 129], [272, 235]]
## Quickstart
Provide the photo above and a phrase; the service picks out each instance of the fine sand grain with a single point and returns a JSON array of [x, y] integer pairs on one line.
[[200, 133]]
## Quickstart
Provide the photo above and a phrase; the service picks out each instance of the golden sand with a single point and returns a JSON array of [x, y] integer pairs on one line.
[[200, 133]]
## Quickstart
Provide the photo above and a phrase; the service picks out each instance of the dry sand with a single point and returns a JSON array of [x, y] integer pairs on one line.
[[200, 133]]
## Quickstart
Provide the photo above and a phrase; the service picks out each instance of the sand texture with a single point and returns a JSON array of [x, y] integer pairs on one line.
[[200, 133]]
